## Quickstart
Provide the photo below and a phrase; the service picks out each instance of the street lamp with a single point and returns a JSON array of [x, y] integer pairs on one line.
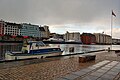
[[103, 36]]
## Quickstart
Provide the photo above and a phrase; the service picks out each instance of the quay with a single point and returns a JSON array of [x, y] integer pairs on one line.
[[106, 66]]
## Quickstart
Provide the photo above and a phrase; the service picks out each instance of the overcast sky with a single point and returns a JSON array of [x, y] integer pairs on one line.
[[64, 15]]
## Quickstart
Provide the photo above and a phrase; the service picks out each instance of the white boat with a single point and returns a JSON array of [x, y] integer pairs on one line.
[[34, 49], [56, 39]]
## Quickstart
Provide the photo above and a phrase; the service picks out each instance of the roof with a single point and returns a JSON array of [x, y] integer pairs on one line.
[[28, 24], [8, 23], [14, 24], [88, 34]]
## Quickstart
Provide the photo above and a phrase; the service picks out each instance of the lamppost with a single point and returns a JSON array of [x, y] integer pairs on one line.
[[103, 36]]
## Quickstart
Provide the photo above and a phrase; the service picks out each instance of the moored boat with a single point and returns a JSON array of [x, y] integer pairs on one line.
[[34, 49]]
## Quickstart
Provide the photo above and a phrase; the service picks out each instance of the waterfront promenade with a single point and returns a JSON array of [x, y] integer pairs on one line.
[[54, 69]]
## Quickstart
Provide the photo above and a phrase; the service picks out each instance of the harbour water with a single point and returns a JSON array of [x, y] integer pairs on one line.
[[78, 48], [53, 68], [4, 47]]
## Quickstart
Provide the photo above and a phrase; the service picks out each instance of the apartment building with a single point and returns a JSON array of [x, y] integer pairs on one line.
[[102, 38], [42, 32], [2, 24], [74, 36], [47, 32], [29, 30], [9, 28]]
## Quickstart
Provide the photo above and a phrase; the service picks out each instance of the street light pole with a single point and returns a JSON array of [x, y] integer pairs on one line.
[[103, 37]]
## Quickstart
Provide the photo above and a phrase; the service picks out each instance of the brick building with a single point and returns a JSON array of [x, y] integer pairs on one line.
[[88, 38]]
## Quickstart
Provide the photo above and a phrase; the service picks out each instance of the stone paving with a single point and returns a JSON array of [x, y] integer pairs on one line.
[[42, 71], [104, 70], [54, 70]]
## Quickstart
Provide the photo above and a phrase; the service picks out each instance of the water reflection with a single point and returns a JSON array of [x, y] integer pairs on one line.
[[78, 48], [9, 47]]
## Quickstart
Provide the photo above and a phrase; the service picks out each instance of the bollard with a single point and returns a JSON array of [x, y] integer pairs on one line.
[[71, 49], [108, 49], [15, 58]]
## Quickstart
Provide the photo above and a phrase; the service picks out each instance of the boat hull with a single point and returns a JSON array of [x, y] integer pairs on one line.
[[17, 56]]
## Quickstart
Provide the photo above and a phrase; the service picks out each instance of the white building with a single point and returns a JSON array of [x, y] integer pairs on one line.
[[12, 29], [47, 31], [9, 28], [42, 32], [102, 38], [74, 36]]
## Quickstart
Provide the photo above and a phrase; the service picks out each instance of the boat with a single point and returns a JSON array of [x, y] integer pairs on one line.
[[34, 49], [56, 40]]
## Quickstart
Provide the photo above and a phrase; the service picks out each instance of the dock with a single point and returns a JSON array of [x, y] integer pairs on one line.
[[106, 66]]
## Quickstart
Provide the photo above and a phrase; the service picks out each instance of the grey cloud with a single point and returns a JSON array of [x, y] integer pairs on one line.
[[13, 10], [54, 12]]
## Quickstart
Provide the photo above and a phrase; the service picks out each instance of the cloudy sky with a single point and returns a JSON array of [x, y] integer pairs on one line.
[[65, 15]]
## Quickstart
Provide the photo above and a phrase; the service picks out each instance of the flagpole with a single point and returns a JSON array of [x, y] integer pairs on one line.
[[111, 28]]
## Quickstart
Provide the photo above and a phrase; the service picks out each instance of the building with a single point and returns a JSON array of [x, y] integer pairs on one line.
[[102, 38], [12, 29], [2, 24], [115, 41], [88, 38], [29, 30], [74, 36], [9, 28], [42, 32], [47, 32]]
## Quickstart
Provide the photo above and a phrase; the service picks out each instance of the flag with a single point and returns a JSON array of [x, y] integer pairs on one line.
[[113, 14]]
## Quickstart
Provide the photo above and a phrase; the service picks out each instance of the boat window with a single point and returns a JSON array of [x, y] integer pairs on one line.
[[36, 45], [24, 46], [40, 44]]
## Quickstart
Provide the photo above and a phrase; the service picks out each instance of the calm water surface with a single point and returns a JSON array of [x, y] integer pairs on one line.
[[78, 48]]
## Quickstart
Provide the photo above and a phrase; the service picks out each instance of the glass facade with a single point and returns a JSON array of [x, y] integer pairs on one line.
[[30, 30]]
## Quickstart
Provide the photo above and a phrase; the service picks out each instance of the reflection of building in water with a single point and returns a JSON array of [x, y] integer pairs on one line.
[[74, 36], [9, 47], [85, 48]]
